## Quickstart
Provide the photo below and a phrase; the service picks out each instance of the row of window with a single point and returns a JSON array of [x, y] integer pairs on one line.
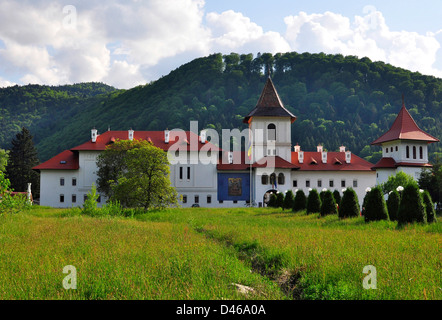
[[74, 198], [265, 179], [331, 183], [182, 173], [407, 151], [74, 181], [196, 199]]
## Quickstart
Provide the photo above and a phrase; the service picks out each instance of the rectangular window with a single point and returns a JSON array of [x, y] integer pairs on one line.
[[99, 199], [188, 173], [197, 199], [355, 183], [209, 199], [235, 201], [84, 198], [74, 198], [331, 184], [221, 201], [319, 183], [181, 173], [342, 183], [295, 183], [61, 198], [61, 181], [307, 183], [74, 181], [184, 199]]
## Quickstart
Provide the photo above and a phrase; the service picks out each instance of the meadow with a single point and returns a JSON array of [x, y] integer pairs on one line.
[[201, 253]]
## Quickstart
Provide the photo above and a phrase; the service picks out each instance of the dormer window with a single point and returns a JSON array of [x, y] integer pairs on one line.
[[271, 132]]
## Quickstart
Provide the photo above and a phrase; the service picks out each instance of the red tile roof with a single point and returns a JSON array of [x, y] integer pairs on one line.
[[156, 137], [404, 128], [67, 160], [274, 162], [388, 162], [269, 104], [335, 162]]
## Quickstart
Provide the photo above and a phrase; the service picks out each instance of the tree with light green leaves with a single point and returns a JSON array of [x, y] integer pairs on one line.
[[394, 181], [140, 178]]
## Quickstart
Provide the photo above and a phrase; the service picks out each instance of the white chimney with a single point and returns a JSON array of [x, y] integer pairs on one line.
[[297, 148], [203, 136], [347, 156], [341, 149], [131, 134], [230, 157], [94, 134], [166, 136], [301, 156], [324, 156], [319, 148]]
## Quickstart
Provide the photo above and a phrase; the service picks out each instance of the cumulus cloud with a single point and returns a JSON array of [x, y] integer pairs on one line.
[[126, 43], [367, 36], [232, 31]]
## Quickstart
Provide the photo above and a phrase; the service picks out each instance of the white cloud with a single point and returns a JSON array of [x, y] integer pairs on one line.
[[232, 31], [126, 43], [367, 36]]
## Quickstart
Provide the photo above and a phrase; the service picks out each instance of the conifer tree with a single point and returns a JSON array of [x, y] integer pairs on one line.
[[280, 200], [22, 158], [375, 206], [300, 201], [411, 208], [289, 200], [272, 201], [393, 202], [337, 197], [349, 206], [313, 202], [328, 205]]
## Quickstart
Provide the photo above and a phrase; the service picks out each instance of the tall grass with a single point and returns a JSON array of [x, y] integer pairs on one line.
[[198, 253]]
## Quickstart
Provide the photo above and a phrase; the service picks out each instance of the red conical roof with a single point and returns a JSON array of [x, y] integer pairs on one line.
[[269, 104], [405, 128]]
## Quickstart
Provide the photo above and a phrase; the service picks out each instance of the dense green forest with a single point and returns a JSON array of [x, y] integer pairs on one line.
[[338, 100]]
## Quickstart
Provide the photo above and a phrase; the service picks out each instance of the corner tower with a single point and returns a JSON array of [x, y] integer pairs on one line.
[[273, 121], [404, 148]]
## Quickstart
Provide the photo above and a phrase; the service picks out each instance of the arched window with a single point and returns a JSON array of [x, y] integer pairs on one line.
[[272, 179], [281, 178], [264, 179], [271, 132], [408, 152], [414, 152], [421, 152]]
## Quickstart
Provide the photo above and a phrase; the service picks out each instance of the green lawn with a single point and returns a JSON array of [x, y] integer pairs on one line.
[[201, 253]]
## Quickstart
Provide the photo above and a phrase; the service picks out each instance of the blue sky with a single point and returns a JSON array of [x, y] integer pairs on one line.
[[126, 43]]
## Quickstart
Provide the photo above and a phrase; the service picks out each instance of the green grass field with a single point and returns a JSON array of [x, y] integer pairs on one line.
[[202, 253]]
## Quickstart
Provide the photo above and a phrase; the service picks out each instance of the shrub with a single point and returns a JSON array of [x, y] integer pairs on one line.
[[429, 207], [280, 200], [393, 205], [90, 204], [313, 202], [375, 207], [300, 201], [411, 208], [289, 200], [328, 205], [349, 206], [337, 197], [272, 201]]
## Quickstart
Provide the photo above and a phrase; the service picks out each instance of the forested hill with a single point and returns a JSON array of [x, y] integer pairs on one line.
[[41, 108], [337, 100]]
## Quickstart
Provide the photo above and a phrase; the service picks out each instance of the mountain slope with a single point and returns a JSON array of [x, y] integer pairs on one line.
[[337, 100]]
